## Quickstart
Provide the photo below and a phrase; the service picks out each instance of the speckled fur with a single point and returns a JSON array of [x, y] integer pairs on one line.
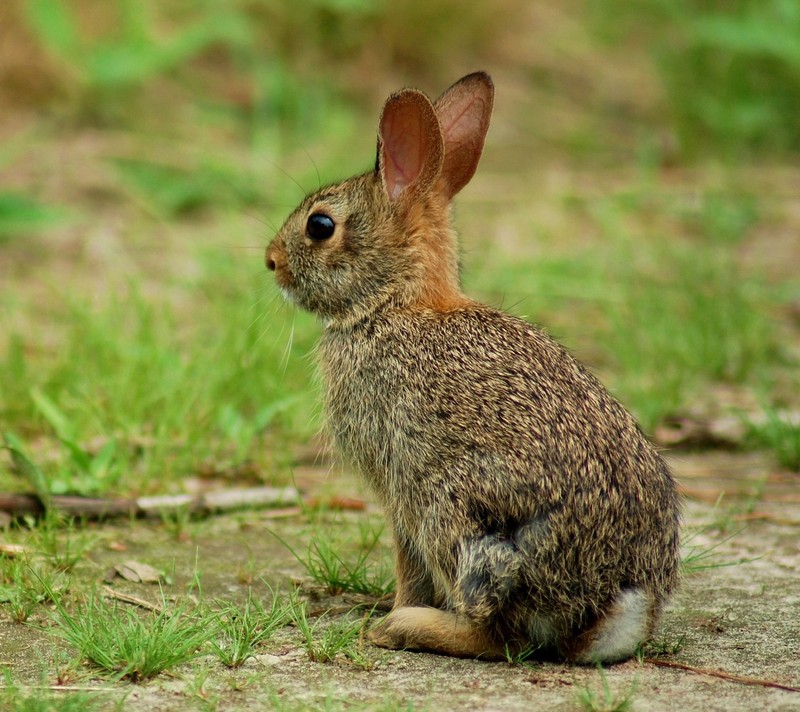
[[524, 500]]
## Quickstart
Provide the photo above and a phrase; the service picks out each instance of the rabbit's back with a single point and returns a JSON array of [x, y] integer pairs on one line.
[[479, 419]]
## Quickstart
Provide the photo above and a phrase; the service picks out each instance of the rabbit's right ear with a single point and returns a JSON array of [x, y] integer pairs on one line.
[[410, 145]]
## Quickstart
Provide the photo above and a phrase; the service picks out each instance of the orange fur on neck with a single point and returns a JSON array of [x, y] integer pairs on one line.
[[428, 225]]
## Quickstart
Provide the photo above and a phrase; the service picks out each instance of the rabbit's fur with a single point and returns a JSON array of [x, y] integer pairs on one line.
[[528, 510]]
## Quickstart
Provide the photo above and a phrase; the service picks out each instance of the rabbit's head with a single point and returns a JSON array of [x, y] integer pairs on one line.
[[384, 237]]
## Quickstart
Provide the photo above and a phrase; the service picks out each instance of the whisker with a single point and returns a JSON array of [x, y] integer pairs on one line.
[[289, 176], [316, 169], [287, 351], [260, 300], [262, 219]]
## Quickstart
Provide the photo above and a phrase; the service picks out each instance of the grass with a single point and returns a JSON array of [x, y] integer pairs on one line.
[[242, 628], [326, 563], [606, 700], [521, 657], [666, 644], [202, 698], [281, 702], [699, 557], [325, 640], [40, 573], [24, 586], [15, 697], [108, 68], [729, 72], [128, 645], [684, 324], [779, 432], [60, 541], [21, 214], [222, 390]]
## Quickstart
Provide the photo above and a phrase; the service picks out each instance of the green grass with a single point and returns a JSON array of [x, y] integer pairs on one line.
[[21, 215], [684, 324], [281, 702], [665, 644], [175, 191], [729, 72], [698, 557], [109, 69], [605, 699], [60, 541], [336, 562], [526, 656], [243, 627], [132, 645], [325, 640], [779, 432], [26, 585], [144, 383], [15, 697]]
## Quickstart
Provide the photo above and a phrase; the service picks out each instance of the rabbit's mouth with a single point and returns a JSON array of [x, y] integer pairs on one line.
[[285, 286]]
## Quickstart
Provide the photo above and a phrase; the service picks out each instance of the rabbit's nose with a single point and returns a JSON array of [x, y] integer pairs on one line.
[[269, 259]]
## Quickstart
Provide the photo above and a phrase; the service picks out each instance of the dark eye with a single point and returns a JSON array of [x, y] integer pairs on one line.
[[319, 226]]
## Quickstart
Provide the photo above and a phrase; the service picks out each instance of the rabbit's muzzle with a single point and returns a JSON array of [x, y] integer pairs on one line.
[[272, 258], [276, 261]]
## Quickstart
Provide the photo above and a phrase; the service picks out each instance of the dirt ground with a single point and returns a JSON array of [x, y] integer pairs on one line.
[[738, 619]]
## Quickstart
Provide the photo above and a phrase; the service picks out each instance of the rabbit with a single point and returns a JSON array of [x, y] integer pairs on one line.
[[528, 510]]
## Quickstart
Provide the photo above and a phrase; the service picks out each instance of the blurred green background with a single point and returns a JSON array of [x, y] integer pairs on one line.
[[638, 196]]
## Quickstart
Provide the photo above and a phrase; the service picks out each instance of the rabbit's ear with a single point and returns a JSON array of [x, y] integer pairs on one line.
[[464, 112], [410, 145]]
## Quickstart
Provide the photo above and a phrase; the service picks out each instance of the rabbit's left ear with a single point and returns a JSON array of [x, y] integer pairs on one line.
[[410, 145], [464, 112]]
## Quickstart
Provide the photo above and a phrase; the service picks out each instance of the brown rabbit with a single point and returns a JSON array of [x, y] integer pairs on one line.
[[528, 510]]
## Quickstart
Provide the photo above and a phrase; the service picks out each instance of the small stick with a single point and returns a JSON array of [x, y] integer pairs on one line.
[[723, 675], [763, 517], [61, 688], [282, 513], [338, 503], [133, 600], [713, 496], [218, 501], [332, 610]]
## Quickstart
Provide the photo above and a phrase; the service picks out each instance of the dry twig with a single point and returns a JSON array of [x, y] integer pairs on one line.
[[133, 600], [216, 501], [722, 674]]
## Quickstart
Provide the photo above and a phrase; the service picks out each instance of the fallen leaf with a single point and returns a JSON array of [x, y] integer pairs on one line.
[[135, 571]]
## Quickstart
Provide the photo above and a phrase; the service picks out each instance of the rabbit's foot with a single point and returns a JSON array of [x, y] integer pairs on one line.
[[434, 630]]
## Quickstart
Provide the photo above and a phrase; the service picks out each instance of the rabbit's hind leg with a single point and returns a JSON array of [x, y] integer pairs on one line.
[[434, 630], [617, 634], [486, 576]]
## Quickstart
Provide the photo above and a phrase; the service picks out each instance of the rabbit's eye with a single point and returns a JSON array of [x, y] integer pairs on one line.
[[319, 226]]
